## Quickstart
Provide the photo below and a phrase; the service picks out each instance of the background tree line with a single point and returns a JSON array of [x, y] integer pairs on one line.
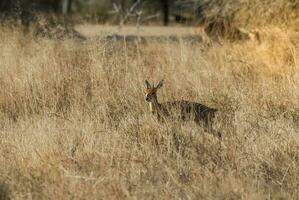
[[27, 8]]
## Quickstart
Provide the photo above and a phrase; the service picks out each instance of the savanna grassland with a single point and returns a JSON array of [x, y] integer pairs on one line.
[[74, 124]]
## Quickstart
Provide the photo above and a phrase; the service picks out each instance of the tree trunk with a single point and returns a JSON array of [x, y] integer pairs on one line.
[[66, 6], [165, 7]]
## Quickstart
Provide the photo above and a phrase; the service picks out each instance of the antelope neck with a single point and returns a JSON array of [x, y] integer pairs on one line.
[[154, 105]]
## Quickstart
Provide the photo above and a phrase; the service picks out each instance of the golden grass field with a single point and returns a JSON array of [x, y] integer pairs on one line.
[[74, 123]]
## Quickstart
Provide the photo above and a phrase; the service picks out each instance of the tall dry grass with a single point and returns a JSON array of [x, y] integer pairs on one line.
[[74, 124], [252, 13]]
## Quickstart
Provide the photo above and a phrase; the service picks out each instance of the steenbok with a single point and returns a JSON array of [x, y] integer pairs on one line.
[[182, 110]]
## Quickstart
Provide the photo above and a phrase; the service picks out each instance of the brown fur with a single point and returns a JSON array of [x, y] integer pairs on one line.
[[182, 110]]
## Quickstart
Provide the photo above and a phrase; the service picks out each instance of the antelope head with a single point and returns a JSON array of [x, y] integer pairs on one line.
[[151, 91]]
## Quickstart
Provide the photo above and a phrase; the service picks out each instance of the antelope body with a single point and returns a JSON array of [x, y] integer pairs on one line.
[[183, 110]]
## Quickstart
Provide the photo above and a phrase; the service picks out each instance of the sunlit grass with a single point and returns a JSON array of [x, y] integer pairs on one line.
[[74, 123]]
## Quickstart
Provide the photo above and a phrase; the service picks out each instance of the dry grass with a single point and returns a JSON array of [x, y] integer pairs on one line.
[[74, 124], [248, 13]]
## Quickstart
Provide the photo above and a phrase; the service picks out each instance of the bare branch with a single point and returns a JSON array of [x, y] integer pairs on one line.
[[130, 11]]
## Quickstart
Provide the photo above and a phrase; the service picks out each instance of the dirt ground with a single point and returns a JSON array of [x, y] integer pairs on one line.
[[104, 30]]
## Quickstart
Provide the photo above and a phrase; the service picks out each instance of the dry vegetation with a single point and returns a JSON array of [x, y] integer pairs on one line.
[[253, 12], [74, 124]]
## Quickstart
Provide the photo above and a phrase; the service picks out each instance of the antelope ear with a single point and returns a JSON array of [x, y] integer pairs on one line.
[[147, 84], [160, 84]]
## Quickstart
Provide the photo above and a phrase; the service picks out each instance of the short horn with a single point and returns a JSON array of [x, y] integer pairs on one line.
[[147, 84]]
